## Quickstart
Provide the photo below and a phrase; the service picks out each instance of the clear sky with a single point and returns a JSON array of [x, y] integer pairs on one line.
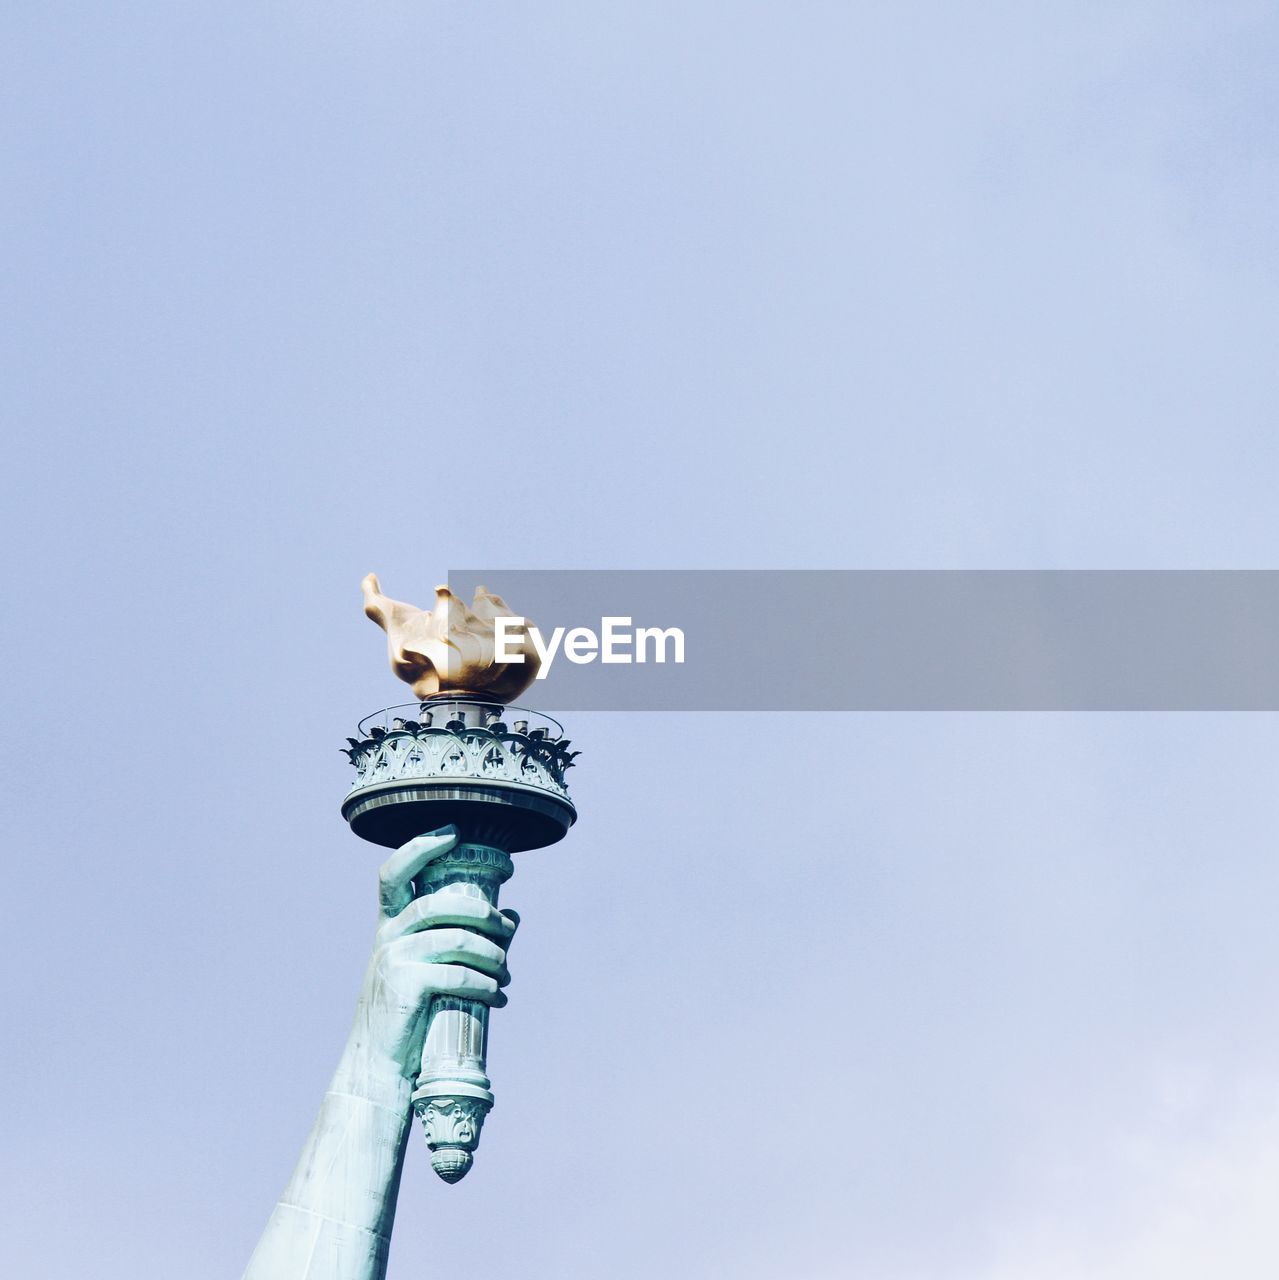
[[298, 290]]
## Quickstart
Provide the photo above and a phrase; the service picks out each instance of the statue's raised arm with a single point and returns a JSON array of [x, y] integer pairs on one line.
[[333, 1221]]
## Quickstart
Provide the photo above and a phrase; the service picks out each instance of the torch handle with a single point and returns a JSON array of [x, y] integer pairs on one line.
[[453, 1094]]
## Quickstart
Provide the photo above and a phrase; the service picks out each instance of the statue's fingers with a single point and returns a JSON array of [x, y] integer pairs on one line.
[[445, 907], [451, 946], [465, 984], [396, 875]]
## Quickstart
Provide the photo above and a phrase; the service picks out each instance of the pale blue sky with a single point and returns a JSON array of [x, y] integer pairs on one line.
[[296, 291]]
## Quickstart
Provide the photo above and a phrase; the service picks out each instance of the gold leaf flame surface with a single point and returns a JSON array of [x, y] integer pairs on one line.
[[450, 648]]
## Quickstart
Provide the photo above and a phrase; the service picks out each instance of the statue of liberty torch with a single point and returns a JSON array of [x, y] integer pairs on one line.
[[454, 783]]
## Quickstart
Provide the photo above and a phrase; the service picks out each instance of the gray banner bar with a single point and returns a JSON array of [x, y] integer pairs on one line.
[[895, 640]]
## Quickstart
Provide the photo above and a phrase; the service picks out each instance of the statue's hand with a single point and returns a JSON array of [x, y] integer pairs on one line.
[[445, 943]]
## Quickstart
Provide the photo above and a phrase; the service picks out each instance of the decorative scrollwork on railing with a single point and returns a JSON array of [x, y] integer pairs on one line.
[[412, 749]]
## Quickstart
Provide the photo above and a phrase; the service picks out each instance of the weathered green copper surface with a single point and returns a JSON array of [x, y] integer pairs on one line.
[[497, 772], [501, 786], [334, 1219], [453, 1096]]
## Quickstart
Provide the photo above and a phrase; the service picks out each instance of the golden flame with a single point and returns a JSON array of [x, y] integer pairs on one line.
[[450, 648]]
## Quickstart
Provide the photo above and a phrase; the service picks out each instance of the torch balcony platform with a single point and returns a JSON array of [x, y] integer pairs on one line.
[[496, 771]]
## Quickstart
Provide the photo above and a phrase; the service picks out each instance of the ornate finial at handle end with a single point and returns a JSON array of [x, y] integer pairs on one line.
[[452, 1126]]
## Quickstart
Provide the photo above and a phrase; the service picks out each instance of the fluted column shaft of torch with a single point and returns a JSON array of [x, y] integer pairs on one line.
[[453, 1094]]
